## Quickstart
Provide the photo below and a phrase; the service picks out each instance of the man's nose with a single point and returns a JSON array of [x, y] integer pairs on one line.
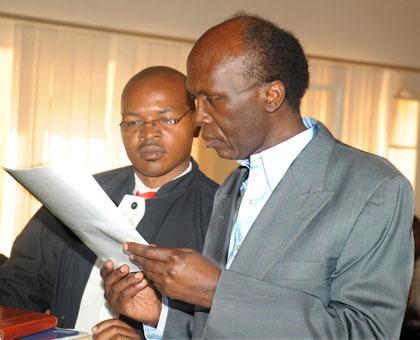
[[201, 116], [150, 130]]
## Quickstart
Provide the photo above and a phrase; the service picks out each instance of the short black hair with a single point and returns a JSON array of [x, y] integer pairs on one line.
[[276, 54]]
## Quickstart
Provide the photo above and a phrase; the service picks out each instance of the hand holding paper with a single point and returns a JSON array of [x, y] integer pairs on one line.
[[78, 201]]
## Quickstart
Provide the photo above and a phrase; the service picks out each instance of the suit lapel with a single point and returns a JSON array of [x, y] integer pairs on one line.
[[222, 219], [294, 203], [118, 187], [283, 218]]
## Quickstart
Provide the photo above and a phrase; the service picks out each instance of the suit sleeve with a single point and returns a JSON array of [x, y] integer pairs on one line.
[[368, 286], [27, 279], [178, 325]]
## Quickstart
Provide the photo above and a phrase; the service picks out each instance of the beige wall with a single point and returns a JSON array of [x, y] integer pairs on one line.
[[385, 31], [378, 31]]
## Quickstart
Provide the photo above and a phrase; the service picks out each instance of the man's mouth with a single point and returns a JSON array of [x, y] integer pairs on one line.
[[151, 152]]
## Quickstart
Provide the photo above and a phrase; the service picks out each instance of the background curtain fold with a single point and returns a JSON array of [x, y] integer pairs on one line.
[[60, 101]]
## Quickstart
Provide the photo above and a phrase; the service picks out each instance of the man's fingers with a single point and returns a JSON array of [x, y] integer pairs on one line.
[[150, 252], [115, 329], [107, 268], [159, 284], [127, 281], [156, 278], [150, 265], [111, 278], [115, 275], [131, 291]]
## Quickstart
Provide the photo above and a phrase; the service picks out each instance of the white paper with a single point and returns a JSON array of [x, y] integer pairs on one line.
[[133, 214], [78, 201]]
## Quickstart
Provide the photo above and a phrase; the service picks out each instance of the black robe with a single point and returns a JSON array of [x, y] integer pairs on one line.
[[49, 266]]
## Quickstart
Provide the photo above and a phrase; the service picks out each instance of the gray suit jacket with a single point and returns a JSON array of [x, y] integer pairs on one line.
[[330, 256]]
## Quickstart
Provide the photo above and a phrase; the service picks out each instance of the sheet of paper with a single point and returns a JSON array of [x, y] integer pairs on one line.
[[78, 201]]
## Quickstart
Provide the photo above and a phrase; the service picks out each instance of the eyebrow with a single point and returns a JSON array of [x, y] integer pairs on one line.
[[159, 112], [207, 94]]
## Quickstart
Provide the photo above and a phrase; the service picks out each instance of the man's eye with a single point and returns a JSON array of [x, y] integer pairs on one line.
[[192, 98], [132, 124], [212, 100], [168, 121]]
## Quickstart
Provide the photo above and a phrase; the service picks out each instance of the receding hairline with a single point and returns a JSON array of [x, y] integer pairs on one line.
[[273, 53], [229, 36], [239, 23]]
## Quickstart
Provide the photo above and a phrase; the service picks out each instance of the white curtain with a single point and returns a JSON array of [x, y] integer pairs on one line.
[[60, 92], [360, 105], [354, 101]]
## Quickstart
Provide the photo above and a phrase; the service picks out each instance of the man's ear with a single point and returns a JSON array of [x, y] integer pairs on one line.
[[275, 93], [197, 131]]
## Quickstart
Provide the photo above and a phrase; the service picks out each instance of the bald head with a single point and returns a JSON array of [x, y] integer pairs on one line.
[[156, 76], [227, 36], [219, 44], [157, 124], [269, 53], [247, 77]]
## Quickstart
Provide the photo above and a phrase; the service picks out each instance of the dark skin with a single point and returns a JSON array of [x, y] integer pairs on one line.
[[158, 155], [115, 329], [182, 274], [131, 294], [238, 117]]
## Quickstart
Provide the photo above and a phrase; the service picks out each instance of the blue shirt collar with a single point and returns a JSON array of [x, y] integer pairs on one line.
[[274, 162]]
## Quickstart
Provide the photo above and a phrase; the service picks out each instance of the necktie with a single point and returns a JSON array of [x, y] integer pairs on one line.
[[146, 195]]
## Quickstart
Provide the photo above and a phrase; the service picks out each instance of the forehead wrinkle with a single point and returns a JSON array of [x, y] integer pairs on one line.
[[163, 111], [157, 111], [217, 83]]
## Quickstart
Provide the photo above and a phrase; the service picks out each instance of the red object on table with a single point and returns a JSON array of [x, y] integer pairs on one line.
[[16, 322]]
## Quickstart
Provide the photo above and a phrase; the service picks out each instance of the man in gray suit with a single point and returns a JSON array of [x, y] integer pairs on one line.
[[308, 239]]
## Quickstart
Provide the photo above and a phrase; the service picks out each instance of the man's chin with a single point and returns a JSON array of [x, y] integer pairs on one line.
[[226, 154], [150, 174], [150, 168]]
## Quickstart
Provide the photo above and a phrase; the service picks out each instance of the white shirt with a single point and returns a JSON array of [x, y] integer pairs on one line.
[[93, 307], [266, 169]]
